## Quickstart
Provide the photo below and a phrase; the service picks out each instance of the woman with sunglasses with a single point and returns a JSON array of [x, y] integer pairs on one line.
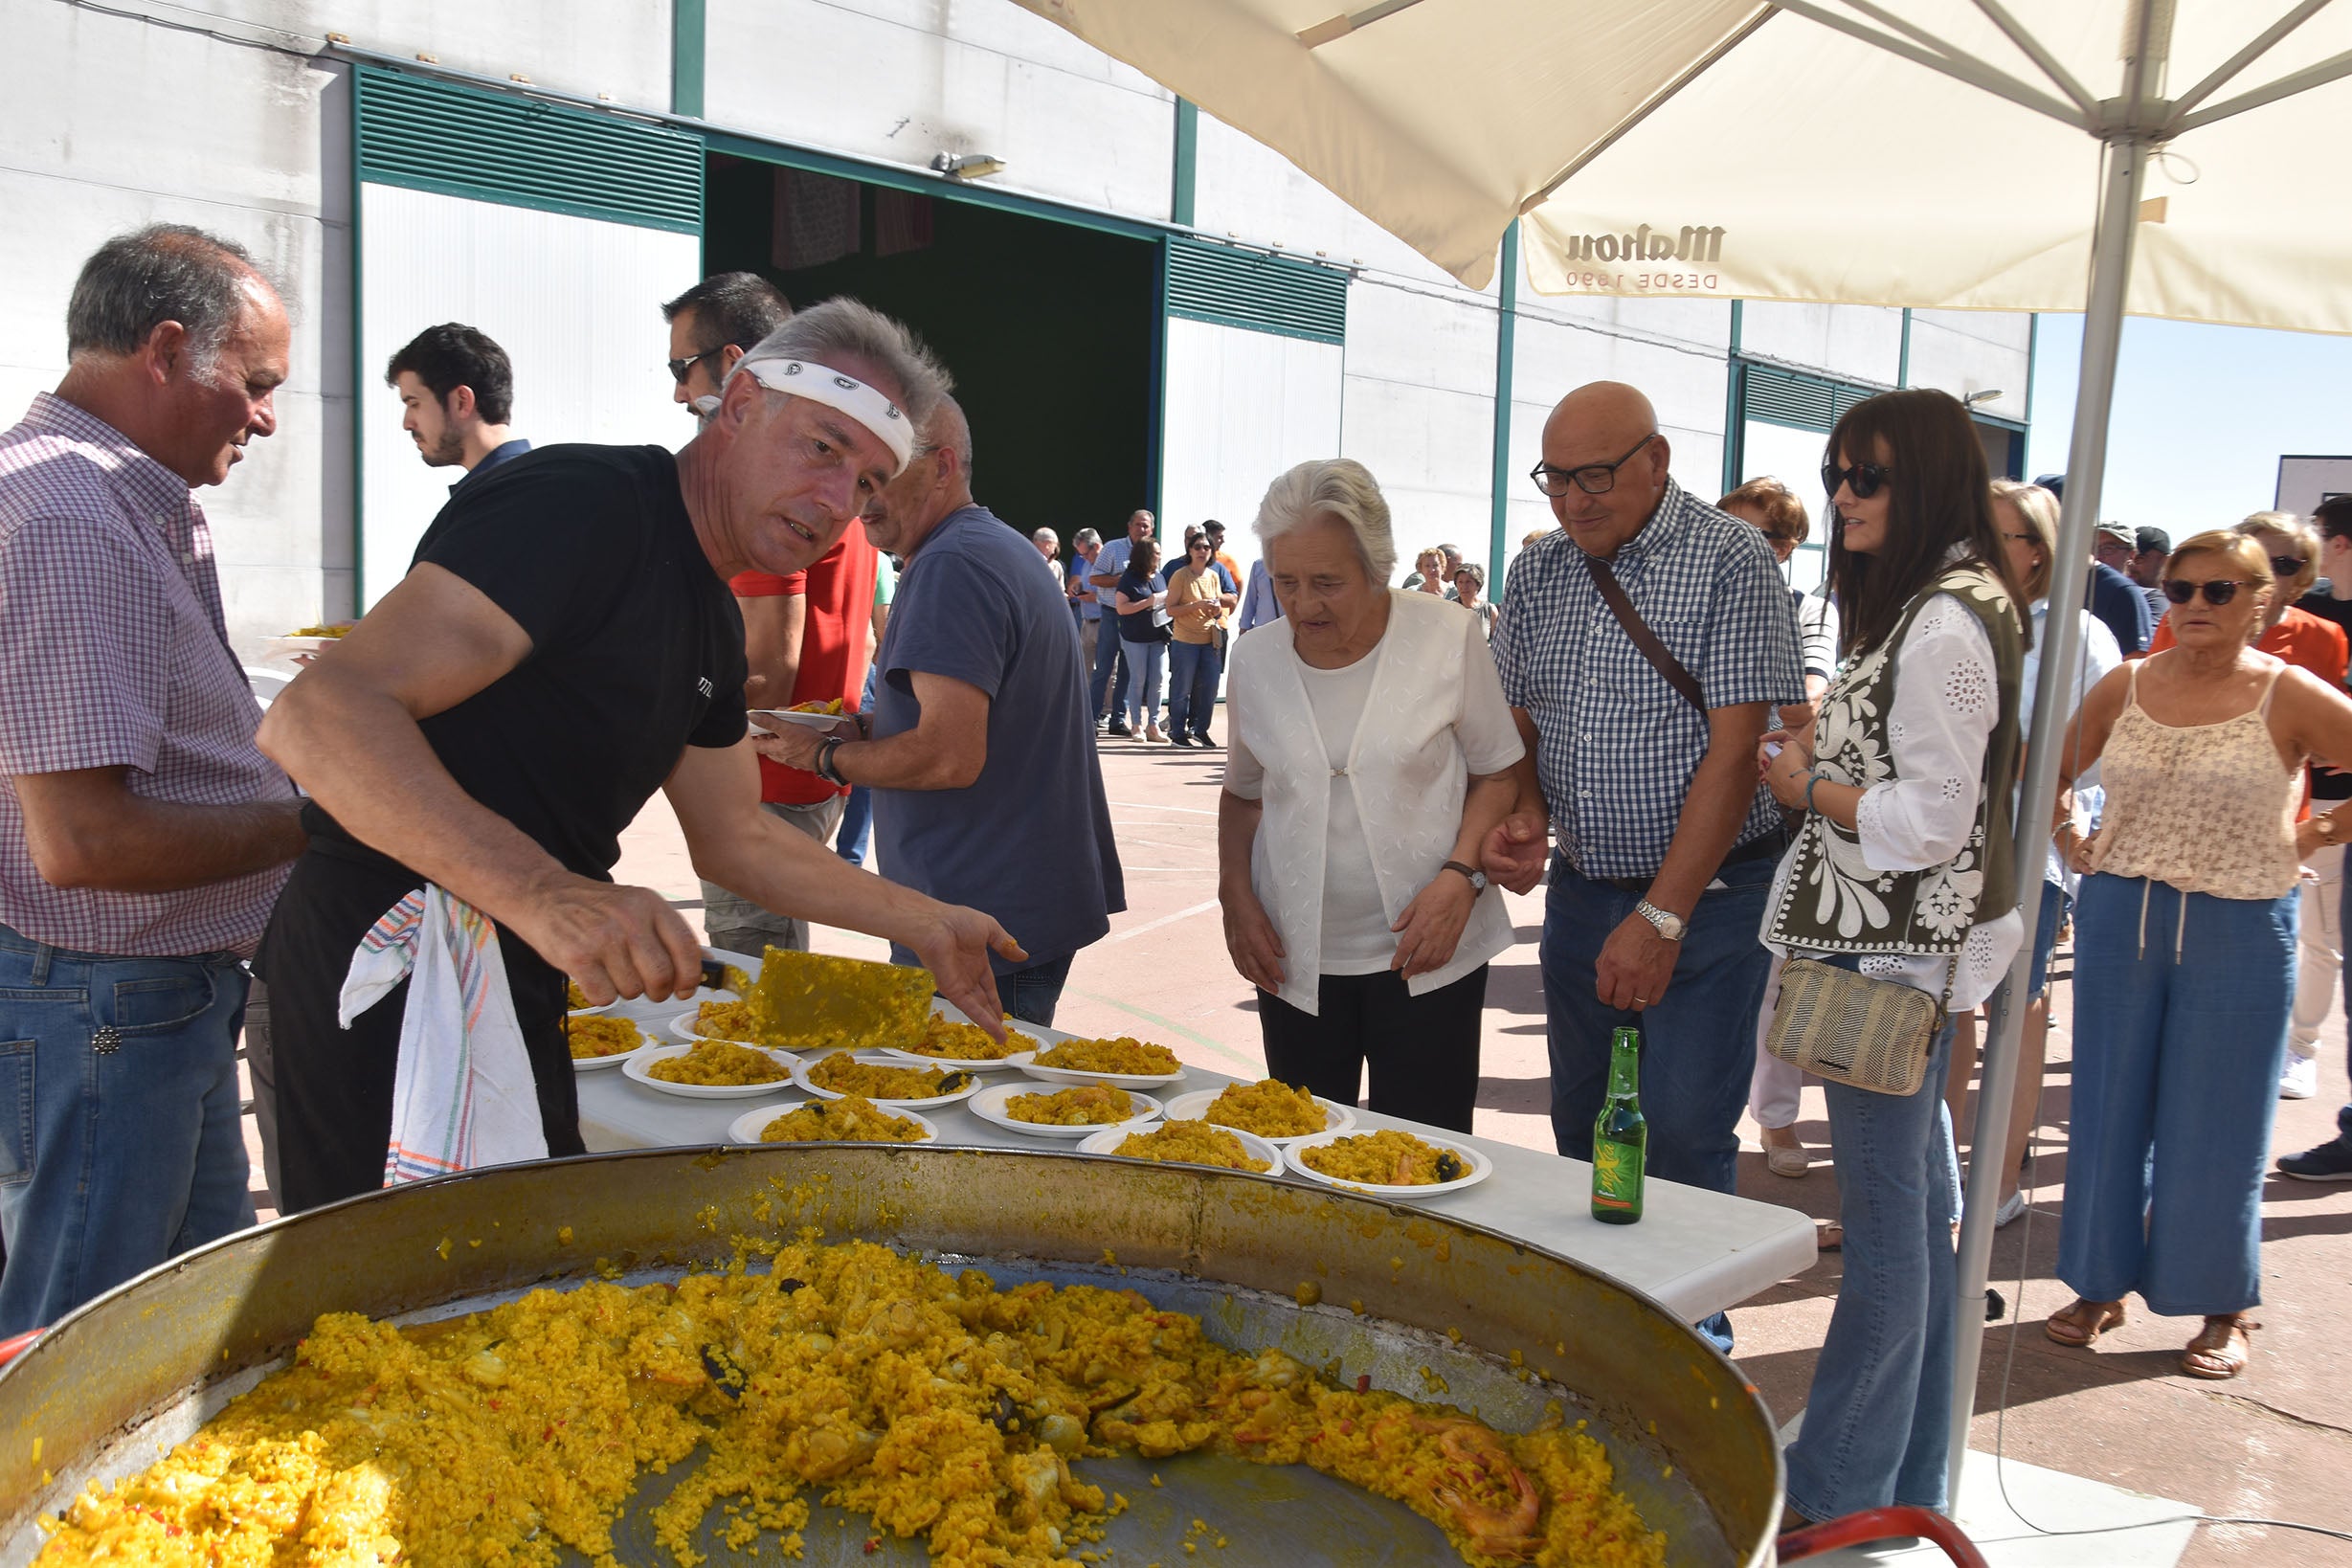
[[1902, 870], [2184, 957], [2316, 643]]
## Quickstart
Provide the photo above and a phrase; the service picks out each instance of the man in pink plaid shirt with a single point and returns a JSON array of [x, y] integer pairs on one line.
[[143, 839]]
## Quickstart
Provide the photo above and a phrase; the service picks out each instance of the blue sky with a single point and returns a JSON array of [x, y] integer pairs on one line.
[[2201, 414]]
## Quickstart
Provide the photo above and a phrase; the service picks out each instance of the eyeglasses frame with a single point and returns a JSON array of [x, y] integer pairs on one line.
[[1570, 476]]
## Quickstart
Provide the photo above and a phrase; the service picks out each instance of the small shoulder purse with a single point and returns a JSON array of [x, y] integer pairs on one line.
[[1871, 1033]]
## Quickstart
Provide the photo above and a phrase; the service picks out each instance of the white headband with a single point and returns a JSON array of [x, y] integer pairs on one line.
[[822, 384]]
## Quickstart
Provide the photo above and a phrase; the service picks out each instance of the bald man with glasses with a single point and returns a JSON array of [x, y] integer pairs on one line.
[[1640, 647]]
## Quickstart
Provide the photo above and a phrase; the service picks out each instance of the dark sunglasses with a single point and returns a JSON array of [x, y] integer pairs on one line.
[[2286, 566], [2219, 592], [680, 369], [1863, 478]]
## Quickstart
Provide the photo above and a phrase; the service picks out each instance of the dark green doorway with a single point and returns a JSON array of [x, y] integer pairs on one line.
[[1051, 329]]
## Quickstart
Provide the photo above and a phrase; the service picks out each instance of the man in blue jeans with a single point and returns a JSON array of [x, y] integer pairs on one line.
[[1109, 563], [2332, 1161], [143, 838], [1646, 764]]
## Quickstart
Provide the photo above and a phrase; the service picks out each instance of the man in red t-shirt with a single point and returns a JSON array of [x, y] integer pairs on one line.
[[806, 639]]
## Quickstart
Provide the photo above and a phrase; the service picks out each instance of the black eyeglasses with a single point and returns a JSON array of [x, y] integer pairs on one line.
[[2218, 591], [1863, 478], [2287, 566], [1594, 479], [680, 369]]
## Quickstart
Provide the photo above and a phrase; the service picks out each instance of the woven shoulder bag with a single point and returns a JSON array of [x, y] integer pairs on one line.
[[1871, 1034]]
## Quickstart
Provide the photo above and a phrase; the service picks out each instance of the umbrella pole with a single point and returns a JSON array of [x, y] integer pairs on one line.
[[2125, 173]]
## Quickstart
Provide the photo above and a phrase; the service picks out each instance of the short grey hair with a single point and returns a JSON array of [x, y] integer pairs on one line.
[[1085, 537], [843, 328], [1451, 552], [167, 272], [1339, 488], [1046, 536]]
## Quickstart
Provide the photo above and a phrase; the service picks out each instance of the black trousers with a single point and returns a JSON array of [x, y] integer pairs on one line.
[[334, 1085], [1423, 1050]]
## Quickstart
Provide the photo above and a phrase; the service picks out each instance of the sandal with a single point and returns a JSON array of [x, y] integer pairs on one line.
[[2080, 1325], [1831, 1238], [2221, 1348]]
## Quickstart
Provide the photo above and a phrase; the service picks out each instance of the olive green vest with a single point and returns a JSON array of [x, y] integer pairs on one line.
[[1831, 902]]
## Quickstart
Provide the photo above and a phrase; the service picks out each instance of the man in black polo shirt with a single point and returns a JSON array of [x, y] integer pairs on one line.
[[495, 723]]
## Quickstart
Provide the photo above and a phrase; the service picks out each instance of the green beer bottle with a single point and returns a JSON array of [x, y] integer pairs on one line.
[[1621, 1135]]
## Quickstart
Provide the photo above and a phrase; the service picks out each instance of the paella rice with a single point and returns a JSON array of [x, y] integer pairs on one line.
[[852, 1118], [1387, 1158], [1268, 1108], [731, 1020], [574, 998], [969, 1041], [1191, 1143], [845, 1074], [715, 1063], [1089, 1104], [597, 1037], [1123, 1055], [939, 1405]]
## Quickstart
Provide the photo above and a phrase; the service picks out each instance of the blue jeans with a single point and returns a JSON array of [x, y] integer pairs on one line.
[[1192, 669], [1143, 661], [2176, 1082], [1699, 1040], [1107, 646], [856, 832], [2343, 1112], [1032, 993], [119, 1144], [1877, 1421]]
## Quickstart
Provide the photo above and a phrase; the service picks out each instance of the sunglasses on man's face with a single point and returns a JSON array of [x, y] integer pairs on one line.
[[680, 369], [2218, 591], [1863, 478]]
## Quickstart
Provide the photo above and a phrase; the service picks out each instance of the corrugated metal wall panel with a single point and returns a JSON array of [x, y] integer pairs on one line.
[[1800, 401], [459, 141], [1261, 293]]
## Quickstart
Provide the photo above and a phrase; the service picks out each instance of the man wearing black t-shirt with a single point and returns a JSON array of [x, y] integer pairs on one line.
[[500, 717]]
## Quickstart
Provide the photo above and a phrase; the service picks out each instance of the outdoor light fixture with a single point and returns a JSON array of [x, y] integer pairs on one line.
[[968, 166], [1976, 397]]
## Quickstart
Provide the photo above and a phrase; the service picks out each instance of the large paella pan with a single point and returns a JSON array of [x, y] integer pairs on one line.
[[1377, 1295]]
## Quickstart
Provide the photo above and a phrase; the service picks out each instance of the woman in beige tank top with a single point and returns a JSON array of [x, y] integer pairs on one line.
[[2184, 957]]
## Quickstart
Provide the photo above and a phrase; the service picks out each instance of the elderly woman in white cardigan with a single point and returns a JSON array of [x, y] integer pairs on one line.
[[1369, 753]]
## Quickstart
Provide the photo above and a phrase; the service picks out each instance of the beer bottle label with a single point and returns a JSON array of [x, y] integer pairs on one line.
[[1616, 1175]]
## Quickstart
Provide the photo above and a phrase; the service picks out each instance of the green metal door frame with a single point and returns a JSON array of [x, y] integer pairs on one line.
[[1506, 345]]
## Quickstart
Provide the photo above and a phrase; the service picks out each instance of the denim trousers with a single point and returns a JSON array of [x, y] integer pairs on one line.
[[120, 1143], [1107, 698], [1032, 993], [1699, 1040], [1877, 1421], [1192, 669], [1143, 662], [2181, 1002]]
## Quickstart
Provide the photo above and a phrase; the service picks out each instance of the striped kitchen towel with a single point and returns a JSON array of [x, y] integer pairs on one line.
[[462, 1096]]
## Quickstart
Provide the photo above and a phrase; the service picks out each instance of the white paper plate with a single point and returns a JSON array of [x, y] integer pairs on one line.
[[748, 1127], [916, 1059], [1195, 1107], [1480, 1167], [989, 1105], [592, 1011], [879, 1059], [636, 1066], [1123, 1080], [283, 650], [682, 1027], [596, 1063], [843, 725], [1107, 1141]]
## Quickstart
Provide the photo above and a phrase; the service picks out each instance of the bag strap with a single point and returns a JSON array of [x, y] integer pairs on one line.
[[1661, 656]]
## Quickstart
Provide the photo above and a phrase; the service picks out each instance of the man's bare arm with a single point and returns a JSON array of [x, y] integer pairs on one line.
[[88, 828], [347, 729], [774, 625], [945, 751], [1722, 790]]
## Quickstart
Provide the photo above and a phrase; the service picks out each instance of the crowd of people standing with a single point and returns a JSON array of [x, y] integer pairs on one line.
[[1716, 779]]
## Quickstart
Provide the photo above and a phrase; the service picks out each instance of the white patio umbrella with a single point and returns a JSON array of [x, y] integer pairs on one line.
[[2177, 158]]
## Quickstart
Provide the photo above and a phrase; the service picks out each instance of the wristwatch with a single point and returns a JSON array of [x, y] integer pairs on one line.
[[2326, 822], [824, 767], [1672, 926], [1477, 877]]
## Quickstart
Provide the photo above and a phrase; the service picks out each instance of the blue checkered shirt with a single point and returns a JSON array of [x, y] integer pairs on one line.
[[1618, 745]]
